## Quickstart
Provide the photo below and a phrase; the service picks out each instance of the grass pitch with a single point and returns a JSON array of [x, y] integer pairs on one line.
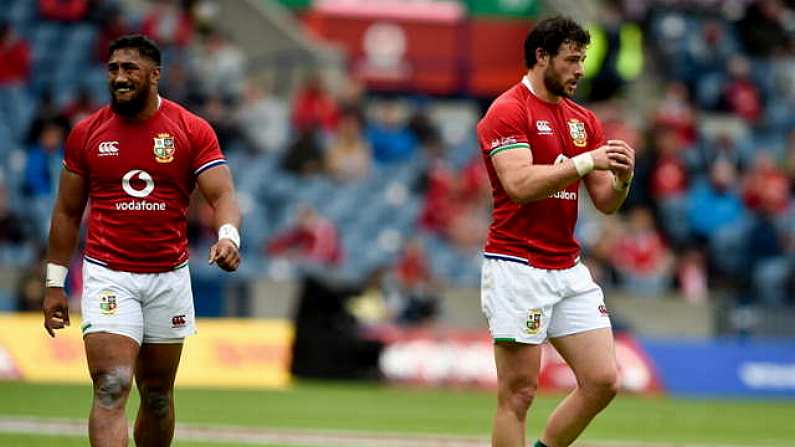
[[369, 408]]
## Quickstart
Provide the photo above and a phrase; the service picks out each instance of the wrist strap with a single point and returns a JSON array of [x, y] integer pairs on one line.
[[583, 163], [228, 231], [56, 275]]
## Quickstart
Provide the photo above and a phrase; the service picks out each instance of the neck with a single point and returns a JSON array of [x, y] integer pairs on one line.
[[153, 103], [537, 87]]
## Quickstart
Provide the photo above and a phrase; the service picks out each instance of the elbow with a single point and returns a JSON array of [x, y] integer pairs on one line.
[[606, 208], [517, 195]]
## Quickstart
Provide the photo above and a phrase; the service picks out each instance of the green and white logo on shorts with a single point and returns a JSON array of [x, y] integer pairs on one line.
[[533, 321], [107, 302]]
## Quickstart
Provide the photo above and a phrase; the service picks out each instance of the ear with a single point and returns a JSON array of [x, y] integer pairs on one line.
[[542, 57], [154, 76]]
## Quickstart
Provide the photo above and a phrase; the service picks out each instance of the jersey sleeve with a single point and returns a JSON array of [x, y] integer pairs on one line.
[[206, 150], [503, 128], [74, 151]]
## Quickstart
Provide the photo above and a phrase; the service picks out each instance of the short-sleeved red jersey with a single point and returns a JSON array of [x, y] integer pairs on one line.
[[140, 177], [540, 233]]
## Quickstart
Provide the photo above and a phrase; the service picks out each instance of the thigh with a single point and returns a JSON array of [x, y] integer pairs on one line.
[[591, 355], [517, 301], [111, 354], [157, 365], [110, 304], [168, 311], [517, 364]]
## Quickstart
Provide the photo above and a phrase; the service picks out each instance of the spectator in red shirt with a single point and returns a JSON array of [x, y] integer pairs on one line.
[[314, 108], [641, 257], [312, 238], [63, 10], [668, 176], [168, 23], [82, 106], [741, 96], [15, 57], [766, 187]]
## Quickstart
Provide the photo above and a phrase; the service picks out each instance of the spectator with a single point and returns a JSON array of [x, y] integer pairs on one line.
[[220, 66], [178, 83], [766, 188], [390, 137], [264, 119], [418, 290], [168, 23], [304, 156], [312, 238], [764, 28], [43, 163], [714, 204], [741, 96], [111, 26], [15, 54], [47, 112], [314, 108], [668, 178], [348, 157], [82, 106], [218, 112], [63, 10], [676, 112], [642, 259]]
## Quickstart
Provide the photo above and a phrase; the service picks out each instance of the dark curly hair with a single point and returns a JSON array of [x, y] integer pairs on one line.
[[549, 34], [146, 47]]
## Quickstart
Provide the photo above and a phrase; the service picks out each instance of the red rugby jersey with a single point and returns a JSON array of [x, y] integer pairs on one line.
[[140, 176], [540, 233]]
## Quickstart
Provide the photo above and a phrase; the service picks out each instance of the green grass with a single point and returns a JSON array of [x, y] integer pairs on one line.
[[378, 408]]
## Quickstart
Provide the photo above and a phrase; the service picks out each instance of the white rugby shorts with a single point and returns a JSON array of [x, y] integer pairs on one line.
[[147, 307], [528, 305]]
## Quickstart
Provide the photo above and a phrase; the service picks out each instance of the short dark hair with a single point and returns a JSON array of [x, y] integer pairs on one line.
[[549, 34], [146, 47]]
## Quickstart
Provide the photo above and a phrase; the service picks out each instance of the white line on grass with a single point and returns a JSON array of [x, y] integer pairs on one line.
[[293, 437]]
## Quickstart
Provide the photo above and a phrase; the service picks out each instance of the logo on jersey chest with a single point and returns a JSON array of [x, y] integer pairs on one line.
[[577, 132], [164, 148], [543, 127], [108, 149]]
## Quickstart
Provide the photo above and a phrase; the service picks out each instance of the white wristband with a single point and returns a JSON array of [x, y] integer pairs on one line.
[[621, 185], [56, 275], [583, 163], [228, 231]]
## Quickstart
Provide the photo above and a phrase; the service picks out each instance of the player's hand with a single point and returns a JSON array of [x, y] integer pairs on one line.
[[225, 254], [622, 159], [601, 158], [56, 310]]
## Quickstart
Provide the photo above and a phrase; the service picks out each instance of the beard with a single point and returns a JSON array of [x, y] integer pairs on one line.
[[554, 84], [130, 107]]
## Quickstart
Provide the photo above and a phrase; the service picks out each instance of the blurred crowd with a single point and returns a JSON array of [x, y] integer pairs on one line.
[[710, 206]]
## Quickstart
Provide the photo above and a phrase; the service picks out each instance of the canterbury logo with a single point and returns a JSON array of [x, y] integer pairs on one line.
[[142, 176], [107, 148]]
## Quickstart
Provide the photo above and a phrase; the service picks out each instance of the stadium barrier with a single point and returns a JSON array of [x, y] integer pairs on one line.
[[224, 353], [725, 367]]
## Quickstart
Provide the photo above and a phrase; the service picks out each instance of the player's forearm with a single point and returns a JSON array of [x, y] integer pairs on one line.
[[64, 229], [609, 194], [227, 210], [538, 182]]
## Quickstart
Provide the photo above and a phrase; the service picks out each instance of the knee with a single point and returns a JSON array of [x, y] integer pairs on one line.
[[602, 386], [112, 387], [156, 400], [518, 395]]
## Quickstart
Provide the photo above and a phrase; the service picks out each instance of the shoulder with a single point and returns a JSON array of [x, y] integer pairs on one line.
[[509, 108], [89, 124]]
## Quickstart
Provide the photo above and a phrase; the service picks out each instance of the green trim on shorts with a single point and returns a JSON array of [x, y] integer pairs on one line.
[[184, 264], [497, 150], [85, 326], [498, 340]]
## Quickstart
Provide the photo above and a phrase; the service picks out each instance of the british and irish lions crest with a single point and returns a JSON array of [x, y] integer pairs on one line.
[[107, 302], [577, 132], [164, 148], [533, 321]]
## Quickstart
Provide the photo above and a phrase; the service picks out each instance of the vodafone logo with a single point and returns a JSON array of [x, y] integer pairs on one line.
[[143, 176]]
